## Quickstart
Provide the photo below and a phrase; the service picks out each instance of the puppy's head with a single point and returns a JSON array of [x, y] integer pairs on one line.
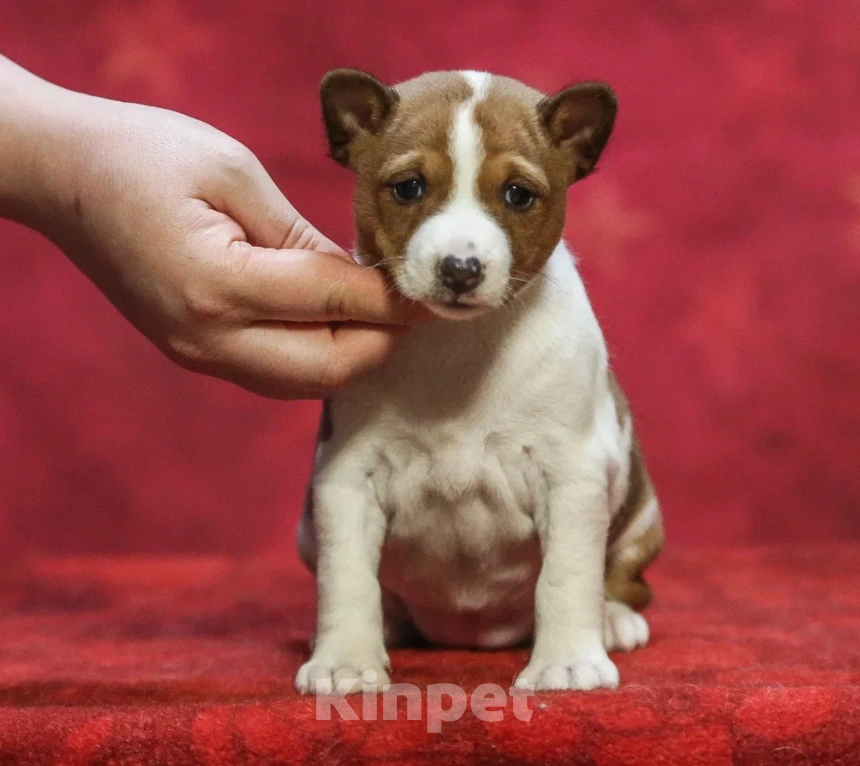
[[461, 177]]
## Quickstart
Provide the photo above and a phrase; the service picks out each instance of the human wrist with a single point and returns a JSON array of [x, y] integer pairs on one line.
[[40, 147]]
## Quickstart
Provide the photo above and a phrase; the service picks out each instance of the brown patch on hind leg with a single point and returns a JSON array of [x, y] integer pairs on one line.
[[627, 592], [625, 567], [628, 588], [635, 537]]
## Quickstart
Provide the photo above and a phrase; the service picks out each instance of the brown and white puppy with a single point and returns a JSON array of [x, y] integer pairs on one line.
[[484, 486]]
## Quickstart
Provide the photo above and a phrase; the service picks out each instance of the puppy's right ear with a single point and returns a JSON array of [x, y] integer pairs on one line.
[[353, 103], [579, 120]]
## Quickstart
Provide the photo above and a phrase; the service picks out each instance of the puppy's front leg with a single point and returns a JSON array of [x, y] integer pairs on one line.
[[349, 653], [569, 652]]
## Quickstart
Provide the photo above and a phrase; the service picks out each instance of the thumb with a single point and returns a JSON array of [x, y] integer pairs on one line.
[[311, 286]]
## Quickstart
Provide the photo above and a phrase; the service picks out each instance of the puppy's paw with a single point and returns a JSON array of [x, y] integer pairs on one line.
[[623, 628], [584, 672], [344, 676]]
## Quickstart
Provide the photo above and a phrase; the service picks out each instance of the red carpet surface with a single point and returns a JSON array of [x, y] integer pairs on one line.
[[754, 659]]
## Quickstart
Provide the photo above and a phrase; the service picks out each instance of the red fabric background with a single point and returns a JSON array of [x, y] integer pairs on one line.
[[720, 241]]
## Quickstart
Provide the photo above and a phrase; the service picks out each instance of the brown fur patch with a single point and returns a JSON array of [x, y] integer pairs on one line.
[[624, 575], [625, 581]]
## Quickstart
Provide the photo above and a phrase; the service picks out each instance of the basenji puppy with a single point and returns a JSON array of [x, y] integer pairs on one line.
[[483, 487]]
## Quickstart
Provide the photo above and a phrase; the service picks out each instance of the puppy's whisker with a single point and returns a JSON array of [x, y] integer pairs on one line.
[[552, 280], [512, 296], [379, 263]]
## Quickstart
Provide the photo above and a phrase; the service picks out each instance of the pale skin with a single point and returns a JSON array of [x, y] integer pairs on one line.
[[183, 230]]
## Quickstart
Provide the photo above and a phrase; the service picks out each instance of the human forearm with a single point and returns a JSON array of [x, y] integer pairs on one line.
[[37, 126]]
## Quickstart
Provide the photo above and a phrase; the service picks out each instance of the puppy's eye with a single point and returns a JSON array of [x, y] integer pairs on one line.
[[518, 197], [409, 191]]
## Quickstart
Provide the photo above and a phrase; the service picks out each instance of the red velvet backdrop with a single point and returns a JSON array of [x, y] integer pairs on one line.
[[720, 242]]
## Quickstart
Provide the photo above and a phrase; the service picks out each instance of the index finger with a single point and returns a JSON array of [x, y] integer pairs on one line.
[[314, 286]]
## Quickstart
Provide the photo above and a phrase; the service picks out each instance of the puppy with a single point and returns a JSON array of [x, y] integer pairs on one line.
[[484, 486]]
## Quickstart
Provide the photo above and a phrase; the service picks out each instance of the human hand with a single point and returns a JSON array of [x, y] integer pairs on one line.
[[187, 235]]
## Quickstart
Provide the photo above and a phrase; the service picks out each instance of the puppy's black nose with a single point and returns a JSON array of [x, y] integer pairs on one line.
[[460, 274]]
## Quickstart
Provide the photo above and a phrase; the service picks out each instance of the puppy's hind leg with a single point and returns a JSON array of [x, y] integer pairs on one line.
[[623, 627], [627, 593]]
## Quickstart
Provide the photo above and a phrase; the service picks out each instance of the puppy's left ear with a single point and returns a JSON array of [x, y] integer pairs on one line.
[[579, 120], [354, 103]]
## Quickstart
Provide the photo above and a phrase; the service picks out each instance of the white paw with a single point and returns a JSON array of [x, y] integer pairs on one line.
[[623, 628], [348, 676], [591, 671]]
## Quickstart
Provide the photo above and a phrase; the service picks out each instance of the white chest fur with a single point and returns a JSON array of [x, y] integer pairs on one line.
[[457, 435], [464, 508]]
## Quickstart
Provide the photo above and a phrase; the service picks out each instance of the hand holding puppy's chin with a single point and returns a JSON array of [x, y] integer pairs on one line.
[[183, 230]]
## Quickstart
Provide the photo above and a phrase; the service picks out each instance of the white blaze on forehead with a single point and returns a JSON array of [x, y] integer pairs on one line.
[[467, 147], [479, 81]]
